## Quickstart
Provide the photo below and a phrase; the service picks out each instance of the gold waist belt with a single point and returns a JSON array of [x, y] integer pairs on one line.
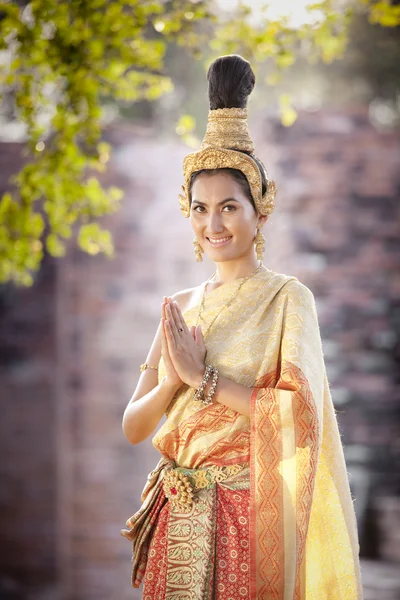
[[180, 484]]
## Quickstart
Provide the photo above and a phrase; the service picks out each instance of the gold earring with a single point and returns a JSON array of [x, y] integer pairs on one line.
[[198, 250], [259, 241]]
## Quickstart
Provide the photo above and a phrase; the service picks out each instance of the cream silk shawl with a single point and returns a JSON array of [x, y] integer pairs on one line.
[[303, 532]]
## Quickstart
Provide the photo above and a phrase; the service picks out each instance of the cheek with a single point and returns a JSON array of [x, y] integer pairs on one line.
[[243, 223], [194, 222]]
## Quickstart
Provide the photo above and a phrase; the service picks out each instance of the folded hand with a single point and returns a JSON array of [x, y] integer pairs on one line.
[[186, 347]]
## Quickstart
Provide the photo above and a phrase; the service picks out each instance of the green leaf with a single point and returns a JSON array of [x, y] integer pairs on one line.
[[54, 245], [93, 240], [185, 125], [287, 112]]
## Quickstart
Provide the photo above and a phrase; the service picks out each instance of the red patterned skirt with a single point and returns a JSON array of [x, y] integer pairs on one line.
[[204, 555]]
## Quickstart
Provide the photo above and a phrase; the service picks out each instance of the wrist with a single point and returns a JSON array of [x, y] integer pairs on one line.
[[205, 392], [197, 378], [169, 386]]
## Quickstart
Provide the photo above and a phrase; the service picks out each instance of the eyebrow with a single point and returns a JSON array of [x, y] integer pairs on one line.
[[218, 203]]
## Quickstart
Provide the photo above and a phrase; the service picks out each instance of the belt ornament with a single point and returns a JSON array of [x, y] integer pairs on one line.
[[180, 484]]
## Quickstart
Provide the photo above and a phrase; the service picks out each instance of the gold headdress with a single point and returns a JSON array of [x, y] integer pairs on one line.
[[224, 145]]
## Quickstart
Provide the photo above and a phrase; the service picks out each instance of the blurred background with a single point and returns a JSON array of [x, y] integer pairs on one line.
[[72, 342]]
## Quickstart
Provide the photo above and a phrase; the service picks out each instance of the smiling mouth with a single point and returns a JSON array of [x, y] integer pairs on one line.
[[217, 243]]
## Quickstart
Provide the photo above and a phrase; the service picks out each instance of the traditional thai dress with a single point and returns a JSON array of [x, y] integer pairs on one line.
[[271, 514]]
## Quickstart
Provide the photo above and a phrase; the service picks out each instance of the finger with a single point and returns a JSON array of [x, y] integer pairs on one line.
[[165, 319], [164, 348], [193, 331], [175, 325], [199, 336], [164, 345], [181, 320], [174, 313], [168, 311], [174, 316], [172, 334], [163, 315]]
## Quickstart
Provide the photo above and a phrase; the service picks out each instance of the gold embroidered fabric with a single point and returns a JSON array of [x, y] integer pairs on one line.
[[303, 530], [192, 514], [228, 128], [219, 158]]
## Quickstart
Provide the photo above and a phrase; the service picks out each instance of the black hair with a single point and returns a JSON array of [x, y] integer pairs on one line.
[[230, 81]]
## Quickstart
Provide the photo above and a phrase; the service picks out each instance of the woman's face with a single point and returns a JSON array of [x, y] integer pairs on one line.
[[223, 218]]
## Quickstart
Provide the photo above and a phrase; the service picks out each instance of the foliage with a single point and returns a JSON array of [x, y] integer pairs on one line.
[[383, 12], [60, 61]]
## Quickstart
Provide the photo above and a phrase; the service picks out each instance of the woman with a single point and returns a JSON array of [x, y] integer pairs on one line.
[[251, 497]]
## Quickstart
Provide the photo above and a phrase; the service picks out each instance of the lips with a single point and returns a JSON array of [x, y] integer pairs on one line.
[[218, 242]]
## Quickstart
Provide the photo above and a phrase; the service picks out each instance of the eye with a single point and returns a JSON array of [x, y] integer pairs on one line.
[[226, 206]]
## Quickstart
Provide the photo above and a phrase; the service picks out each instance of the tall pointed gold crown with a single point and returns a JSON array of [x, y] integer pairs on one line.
[[224, 145]]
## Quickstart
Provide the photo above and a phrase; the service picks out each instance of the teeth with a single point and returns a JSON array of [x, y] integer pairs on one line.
[[219, 241]]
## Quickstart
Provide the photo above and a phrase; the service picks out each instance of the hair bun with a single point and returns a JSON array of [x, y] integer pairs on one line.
[[230, 81]]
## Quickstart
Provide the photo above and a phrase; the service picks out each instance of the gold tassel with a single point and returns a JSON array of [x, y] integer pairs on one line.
[[198, 250], [259, 241]]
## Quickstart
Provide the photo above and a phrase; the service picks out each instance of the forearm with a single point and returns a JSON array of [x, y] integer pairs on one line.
[[142, 416], [229, 392], [234, 395]]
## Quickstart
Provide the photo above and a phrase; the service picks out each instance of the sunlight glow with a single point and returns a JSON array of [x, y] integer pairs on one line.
[[295, 10]]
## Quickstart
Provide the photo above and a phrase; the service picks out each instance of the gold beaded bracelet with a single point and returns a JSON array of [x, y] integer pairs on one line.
[[208, 399], [145, 366], [199, 393]]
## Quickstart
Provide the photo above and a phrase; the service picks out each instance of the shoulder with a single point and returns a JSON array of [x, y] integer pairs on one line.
[[293, 290], [185, 297], [299, 290], [300, 299]]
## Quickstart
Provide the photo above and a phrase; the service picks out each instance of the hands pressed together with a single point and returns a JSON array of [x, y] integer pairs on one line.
[[183, 350]]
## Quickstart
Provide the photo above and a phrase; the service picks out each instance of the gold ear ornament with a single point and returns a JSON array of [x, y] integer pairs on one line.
[[259, 241], [198, 250]]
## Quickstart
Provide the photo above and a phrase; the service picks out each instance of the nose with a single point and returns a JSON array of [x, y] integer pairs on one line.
[[215, 224]]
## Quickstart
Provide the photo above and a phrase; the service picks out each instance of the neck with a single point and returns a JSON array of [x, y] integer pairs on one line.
[[234, 269]]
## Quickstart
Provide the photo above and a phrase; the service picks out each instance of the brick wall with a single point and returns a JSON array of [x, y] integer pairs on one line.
[[28, 468], [336, 227]]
